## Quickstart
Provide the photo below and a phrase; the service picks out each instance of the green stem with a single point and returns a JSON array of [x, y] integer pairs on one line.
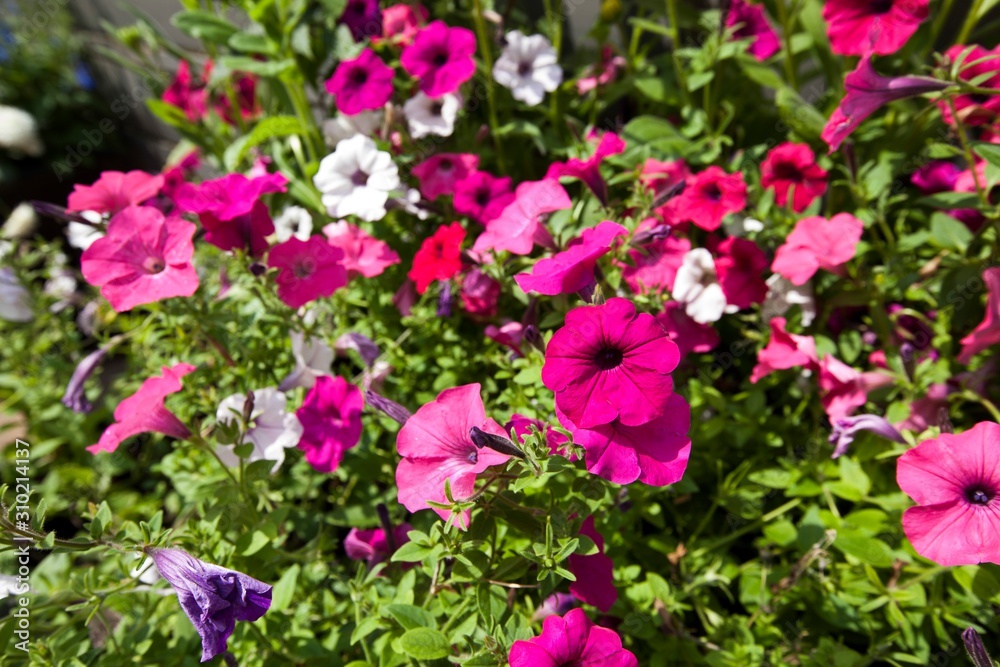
[[786, 25], [773, 514], [970, 22], [675, 37], [970, 395], [967, 150], [484, 47], [300, 102], [939, 21]]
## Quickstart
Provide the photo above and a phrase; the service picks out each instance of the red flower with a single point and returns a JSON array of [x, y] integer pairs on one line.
[[740, 265], [439, 257], [859, 27], [708, 197], [308, 270], [791, 169], [439, 174]]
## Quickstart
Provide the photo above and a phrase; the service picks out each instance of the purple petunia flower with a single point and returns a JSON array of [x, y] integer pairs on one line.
[[75, 399], [213, 597], [844, 431]]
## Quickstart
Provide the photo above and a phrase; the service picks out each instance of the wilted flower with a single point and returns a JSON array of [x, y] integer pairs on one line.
[[588, 170], [373, 545], [572, 269], [15, 300], [784, 350], [74, 398]]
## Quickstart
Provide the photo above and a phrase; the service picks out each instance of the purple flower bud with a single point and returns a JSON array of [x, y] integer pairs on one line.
[[213, 597], [384, 405], [364, 346], [75, 399], [844, 431], [481, 438], [444, 299], [974, 645], [647, 236]]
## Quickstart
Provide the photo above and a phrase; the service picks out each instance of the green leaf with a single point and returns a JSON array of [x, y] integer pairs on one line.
[[410, 616], [410, 552], [248, 43], [253, 543], [267, 129], [284, 590], [650, 26], [424, 644], [334, 7], [657, 133], [366, 627], [169, 114], [947, 232], [269, 68], [866, 549], [205, 26], [989, 152], [760, 73], [798, 114]]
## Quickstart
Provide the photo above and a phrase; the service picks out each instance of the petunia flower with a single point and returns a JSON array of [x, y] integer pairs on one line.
[[441, 57], [312, 360], [572, 269], [984, 65], [293, 221], [608, 362], [845, 430], [740, 265], [482, 196], [817, 243], [145, 257], [480, 293], [439, 257], [654, 264], [588, 170], [690, 336], [844, 389], [928, 410], [356, 179], [372, 545], [187, 94], [708, 197], [528, 66], [436, 447], [791, 171], [427, 115], [364, 255], [987, 333], [271, 429], [82, 235], [331, 421], [955, 482], [782, 294], [572, 640], [519, 226], [143, 411], [440, 173], [601, 74], [509, 334], [307, 270], [361, 84], [402, 22], [936, 176], [861, 27], [865, 92], [115, 190], [696, 285], [595, 582], [15, 299], [661, 176], [343, 126], [784, 350], [213, 597], [363, 18], [751, 23], [75, 398], [520, 426]]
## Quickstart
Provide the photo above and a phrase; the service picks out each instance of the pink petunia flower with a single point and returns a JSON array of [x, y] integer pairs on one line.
[[372, 545], [975, 109], [690, 336], [439, 257], [144, 257], [740, 265], [928, 410], [402, 22], [588, 170], [331, 421], [708, 197], [860, 27], [572, 269], [603, 73], [440, 173], [865, 91], [955, 481], [480, 294], [845, 388], [436, 447], [115, 190], [817, 243], [186, 94], [308, 270], [143, 411], [482, 196], [936, 176], [518, 228], [363, 18], [441, 58], [655, 264], [608, 362], [751, 23], [791, 169], [364, 255], [572, 640], [361, 84], [987, 334], [509, 334], [595, 581], [784, 351], [661, 176]]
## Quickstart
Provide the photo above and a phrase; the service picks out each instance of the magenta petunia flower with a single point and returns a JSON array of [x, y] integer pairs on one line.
[[751, 23], [480, 293], [143, 411], [595, 581], [981, 64], [364, 255], [817, 243], [440, 173], [361, 84], [372, 545], [482, 196], [987, 334], [608, 362], [588, 170], [740, 265], [518, 228], [654, 265], [936, 176], [509, 334], [401, 23], [441, 57], [572, 640], [308, 270], [844, 389], [784, 351], [572, 269], [690, 336], [144, 257], [439, 257], [186, 94], [860, 27], [115, 190], [791, 171], [331, 421], [436, 446], [955, 481], [865, 91], [363, 18], [708, 197]]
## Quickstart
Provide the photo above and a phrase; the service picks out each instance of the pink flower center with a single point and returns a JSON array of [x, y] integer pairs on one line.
[[154, 265], [608, 358], [978, 495], [359, 76], [304, 269], [445, 165], [712, 191]]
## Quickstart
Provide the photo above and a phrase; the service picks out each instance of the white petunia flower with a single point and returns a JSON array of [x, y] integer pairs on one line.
[[411, 202], [22, 222], [293, 221], [343, 126], [782, 294], [356, 179], [19, 132], [81, 235], [271, 429], [312, 359], [528, 66], [698, 288], [15, 301], [432, 115]]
